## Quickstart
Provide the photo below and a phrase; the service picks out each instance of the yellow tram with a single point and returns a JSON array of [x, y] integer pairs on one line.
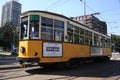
[[48, 38]]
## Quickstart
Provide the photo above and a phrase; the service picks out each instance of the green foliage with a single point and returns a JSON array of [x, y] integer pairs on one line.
[[115, 39], [9, 35]]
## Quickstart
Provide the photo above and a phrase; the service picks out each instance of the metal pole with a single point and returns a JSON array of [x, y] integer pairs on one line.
[[84, 7], [84, 3]]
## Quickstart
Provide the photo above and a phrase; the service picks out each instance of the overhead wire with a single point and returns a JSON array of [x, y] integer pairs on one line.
[[108, 10], [57, 3], [53, 4], [91, 9], [99, 15], [100, 12], [61, 3]]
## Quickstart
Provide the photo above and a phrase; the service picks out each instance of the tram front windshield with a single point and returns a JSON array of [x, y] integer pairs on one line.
[[30, 29]]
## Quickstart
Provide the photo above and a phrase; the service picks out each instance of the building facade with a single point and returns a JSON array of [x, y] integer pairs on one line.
[[92, 22], [11, 13]]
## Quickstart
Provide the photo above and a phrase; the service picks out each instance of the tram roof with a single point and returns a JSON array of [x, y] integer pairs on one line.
[[52, 13], [60, 15]]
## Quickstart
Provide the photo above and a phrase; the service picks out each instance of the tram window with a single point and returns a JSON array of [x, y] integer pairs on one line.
[[103, 42], [70, 30], [47, 22], [34, 30], [76, 34], [47, 28], [106, 42], [59, 30], [46, 33], [70, 27], [70, 37], [76, 29], [34, 27], [90, 41], [81, 31], [86, 33], [59, 35], [24, 28], [89, 34], [81, 39], [109, 43], [86, 40], [95, 39], [89, 38], [59, 24], [76, 37]]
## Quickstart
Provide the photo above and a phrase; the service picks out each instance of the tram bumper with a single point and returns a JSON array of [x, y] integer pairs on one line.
[[28, 60]]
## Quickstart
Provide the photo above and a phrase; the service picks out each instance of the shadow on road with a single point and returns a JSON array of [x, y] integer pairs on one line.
[[102, 70]]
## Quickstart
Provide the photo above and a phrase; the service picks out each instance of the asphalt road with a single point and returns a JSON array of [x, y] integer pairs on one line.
[[94, 71]]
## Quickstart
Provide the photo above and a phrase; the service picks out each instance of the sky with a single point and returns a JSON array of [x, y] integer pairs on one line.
[[109, 9]]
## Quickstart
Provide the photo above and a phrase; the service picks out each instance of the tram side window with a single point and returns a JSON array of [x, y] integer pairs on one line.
[[90, 38], [46, 28], [109, 42], [95, 40], [59, 30], [81, 36], [76, 34], [86, 37], [24, 28], [70, 29], [103, 42]]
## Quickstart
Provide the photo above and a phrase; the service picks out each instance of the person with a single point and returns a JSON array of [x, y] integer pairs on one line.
[[34, 33]]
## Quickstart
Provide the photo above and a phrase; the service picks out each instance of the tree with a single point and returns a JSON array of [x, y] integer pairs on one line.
[[115, 40], [1, 37], [8, 31]]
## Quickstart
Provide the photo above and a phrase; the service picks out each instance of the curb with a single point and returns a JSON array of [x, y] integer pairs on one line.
[[16, 67], [10, 67], [8, 58]]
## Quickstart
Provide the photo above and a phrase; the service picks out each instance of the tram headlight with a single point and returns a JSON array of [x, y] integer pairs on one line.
[[22, 49], [35, 53]]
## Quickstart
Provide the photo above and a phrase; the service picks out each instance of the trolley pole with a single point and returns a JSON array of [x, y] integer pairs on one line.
[[84, 6]]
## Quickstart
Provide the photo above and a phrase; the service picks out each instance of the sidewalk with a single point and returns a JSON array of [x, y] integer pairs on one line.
[[8, 62]]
